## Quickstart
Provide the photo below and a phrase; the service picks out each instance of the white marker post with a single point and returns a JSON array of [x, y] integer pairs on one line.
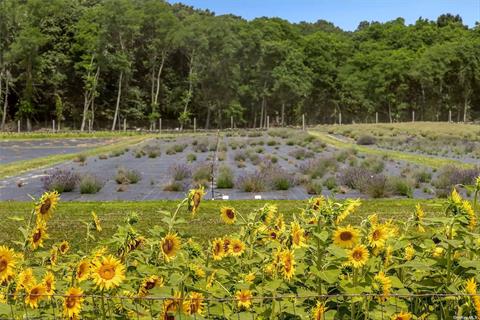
[[303, 122], [376, 117], [53, 126], [194, 124], [413, 116], [18, 126], [124, 124], [160, 125]]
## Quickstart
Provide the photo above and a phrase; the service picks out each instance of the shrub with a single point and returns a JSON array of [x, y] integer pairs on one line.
[[450, 176], [353, 177], [366, 140], [314, 187], [61, 180], [276, 177], [191, 157], [126, 176], [225, 178], [153, 153], [271, 142], [81, 158], [375, 186], [400, 186], [180, 172], [174, 186], [330, 183], [90, 184], [201, 146], [240, 156], [301, 154], [373, 164], [179, 147], [116, 153], [103, 157], [422, 176], [318, 167], [252, 182], [202, 174], [259, 150]]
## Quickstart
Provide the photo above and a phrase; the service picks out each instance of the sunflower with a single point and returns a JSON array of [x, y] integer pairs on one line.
[[419, 215], [268, 213], [170, 245], [149, 284], [437, 252], [319, 311], [83, 270], [108, 272], [72, 303], [34, 294], [244, 298], [316, 203], [471, 288], [298, 235], [471, 216], [378, 236], [53, 256], [383, 283], [346, 237], [46, 206], [402, 316], [194, 198], [49, 283], [170, 306], [358, 256], [8, 260], [26, 279], [39, 234], [194, 304], [249, 277], [350, 207], [64, 247], [288, 264], [218, 251], [236, 247], [96, 222], [210, 279], [455, 197], [228, 215], [226, 245]]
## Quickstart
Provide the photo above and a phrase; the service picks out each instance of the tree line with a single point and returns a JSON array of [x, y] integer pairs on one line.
[[94, 63]]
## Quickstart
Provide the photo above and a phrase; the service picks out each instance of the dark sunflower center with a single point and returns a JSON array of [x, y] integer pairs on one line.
[[226, 243], [230, 214], [167, 246], [376, 235], [71, 301], [46, 205], [107, 272], [150, 284], [3, 264], [357, 255], [346, 236], [34, 292], [218, 248], [237, 248], [273, 235], [37, 236]]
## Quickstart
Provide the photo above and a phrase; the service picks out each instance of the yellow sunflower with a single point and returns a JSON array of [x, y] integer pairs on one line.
[[39, 234], [378, 236], [471, 288], [419, 215], [64, 247], [96, 222], [108, 272], [193, 304], [402, 316], [83, 270], [298, 235], [350, 207], [170, 306], [249, 277], [218, 251], [170, 245], [383, 283], [46, 206], [346, 237], [288, 264], [409, 252], [472, 217], [53, 256], [26, 279], [236, 247], [228, 215], [317, 203], [358, 256], [49, 283], [194, 198], [226, 245], [34, 294], [244, 298], [72, 303], [8, 260], [148, 284], [319, 311]]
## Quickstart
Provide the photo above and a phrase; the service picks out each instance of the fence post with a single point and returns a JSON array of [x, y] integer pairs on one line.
[[53, 125], [194, 124], [89, 125], [268, 122], [18, 126], [339, 118], [449, 115], [160, 125], [376, 117], [413, 116], [303, 122], [124, 124], [231, 122]]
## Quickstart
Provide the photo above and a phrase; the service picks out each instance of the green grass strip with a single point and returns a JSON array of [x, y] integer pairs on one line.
[[23, 166], [68, 221], [419, 159]]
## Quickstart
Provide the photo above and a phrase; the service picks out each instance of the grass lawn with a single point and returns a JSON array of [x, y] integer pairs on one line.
[[69, 220]]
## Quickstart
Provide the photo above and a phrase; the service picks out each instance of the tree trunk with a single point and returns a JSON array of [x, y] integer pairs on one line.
[[190, 86], [117, 106], [261, 112], [465, 106], [5, 98], [390, 112], [207, 121], [89, 96], [29, 124], [283, 114]]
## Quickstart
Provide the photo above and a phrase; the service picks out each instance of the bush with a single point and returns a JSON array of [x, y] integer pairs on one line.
[[401, 186], [116, 153], [191, 157], [61, 180], [422, 176], [353, 177], [330, 183], [180, 172], [375, 186], [366, 140], [174, 186], [202, 174], [80, 158], [225, 178], [373, 164], [301, 154], [318, 167], [90, 184], [314, 187], [450, 176], [126, 176], [253, 182], [201, 146], [240, 156]]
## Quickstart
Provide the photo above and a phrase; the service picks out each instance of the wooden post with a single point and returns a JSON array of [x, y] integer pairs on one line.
[[449, 115], [124, 124], [231, 122], [18, 126], [413, 116], [194, 124], [339, 118], [303, 122], [376, 117], [268, 122], [160, 125], [53, 125], [89, 125]]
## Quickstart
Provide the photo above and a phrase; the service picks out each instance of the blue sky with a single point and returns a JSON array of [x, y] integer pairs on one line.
[[343, 13]]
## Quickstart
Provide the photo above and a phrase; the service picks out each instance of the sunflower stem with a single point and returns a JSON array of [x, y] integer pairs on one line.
[[175, 214], [103, 304]]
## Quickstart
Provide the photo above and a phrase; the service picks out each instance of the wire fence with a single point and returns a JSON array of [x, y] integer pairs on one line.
[[337, 306]]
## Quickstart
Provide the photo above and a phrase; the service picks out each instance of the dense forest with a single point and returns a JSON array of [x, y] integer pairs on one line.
[[97, 62]]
